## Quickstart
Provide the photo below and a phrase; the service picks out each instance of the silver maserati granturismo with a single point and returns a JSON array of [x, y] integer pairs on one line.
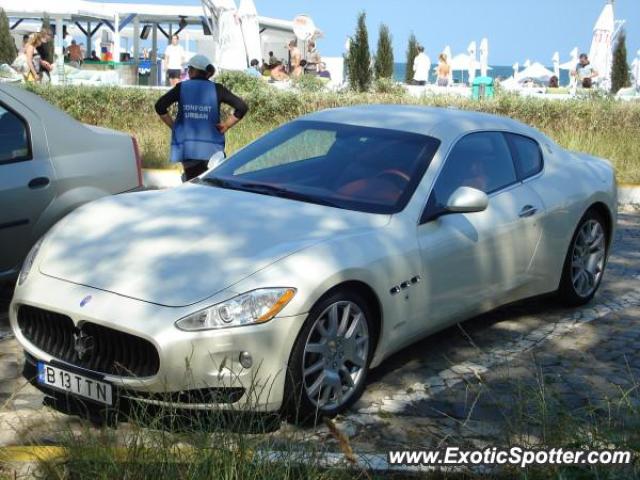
[[280, 277]]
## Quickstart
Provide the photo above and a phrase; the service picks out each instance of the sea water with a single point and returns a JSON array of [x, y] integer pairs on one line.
[[497, 71]]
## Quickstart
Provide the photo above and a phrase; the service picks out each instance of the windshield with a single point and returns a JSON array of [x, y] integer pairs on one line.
[[357, 168]]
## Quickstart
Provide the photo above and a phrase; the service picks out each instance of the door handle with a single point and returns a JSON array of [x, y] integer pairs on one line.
[[39, 182], [527, 211]]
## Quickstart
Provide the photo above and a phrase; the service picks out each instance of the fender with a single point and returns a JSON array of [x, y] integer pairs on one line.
[[63, 204]]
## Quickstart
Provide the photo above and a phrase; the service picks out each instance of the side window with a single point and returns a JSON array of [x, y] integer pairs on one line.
[[480, 160], [14, 141], [526, 154]]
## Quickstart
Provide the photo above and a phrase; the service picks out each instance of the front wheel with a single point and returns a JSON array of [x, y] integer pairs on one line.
[[585, 261], [330, 359]]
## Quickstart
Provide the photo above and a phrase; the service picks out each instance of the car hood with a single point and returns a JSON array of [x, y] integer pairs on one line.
[[178, 247]]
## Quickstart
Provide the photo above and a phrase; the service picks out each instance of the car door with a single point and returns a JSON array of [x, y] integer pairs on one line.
[[26, 177], [471, 261]]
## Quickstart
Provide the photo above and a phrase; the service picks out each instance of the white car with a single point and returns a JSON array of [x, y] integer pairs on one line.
[[49, 165], [279, 278]]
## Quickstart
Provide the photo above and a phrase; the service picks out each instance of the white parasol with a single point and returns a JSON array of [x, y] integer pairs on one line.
[[484, 57], [229, 52], [556, 64], [571, 64], [535, 71], [250, 30], [462, 61], [600, 53], [472, 64], [635, 70]]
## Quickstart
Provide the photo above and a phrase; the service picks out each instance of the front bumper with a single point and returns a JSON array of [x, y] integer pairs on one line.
[[198, 370]]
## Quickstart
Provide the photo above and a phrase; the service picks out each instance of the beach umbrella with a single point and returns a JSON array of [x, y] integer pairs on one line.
[[635, 70], [516, 69], [535, 71], [571, 64], [600, 52], [250, 30], [229, 52], [556, 64], [462, 61], [472, 62], [484, 57]]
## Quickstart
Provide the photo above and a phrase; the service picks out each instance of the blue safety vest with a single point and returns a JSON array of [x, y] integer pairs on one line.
[[194, 135]]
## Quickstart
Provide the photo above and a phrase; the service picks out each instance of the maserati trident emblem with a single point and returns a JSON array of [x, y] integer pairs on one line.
[[83, 344], [85, 300]]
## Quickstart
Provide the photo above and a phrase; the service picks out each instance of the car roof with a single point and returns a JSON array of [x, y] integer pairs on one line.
[[432, 121]]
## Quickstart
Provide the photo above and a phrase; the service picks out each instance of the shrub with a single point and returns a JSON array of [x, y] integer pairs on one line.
[[8, 51], [359, 64], [309, 83], [412, 53], [239, 82], [384, 54], [620, 67], [387, 85]]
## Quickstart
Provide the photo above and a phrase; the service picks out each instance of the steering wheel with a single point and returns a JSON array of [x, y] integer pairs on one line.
[[398, 177]]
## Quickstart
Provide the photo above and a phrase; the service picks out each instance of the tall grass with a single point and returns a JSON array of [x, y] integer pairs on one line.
[[599, 126]]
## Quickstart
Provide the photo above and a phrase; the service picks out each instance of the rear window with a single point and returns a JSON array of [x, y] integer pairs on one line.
[[526, 155], [14, 140]]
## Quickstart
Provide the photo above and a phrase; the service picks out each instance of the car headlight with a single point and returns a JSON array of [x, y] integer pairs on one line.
[[256, 306], [28, 262]]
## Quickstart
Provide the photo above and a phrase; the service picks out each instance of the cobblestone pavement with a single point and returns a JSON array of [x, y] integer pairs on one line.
[[491, 380]]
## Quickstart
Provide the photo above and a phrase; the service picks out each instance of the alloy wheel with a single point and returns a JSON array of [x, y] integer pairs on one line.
[[335, 355], [587, 259]]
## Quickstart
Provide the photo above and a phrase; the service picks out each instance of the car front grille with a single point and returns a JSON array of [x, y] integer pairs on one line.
[[92, 347]]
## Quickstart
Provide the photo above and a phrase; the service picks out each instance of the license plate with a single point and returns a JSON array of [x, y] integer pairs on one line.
[[75, 384]]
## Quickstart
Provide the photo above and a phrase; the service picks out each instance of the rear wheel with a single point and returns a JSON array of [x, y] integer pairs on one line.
[[329, 362], [585, 261]]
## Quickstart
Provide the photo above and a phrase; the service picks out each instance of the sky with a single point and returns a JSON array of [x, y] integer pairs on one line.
[[517, 29]]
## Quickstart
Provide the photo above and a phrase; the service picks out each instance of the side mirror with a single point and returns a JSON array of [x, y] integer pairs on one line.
[[467, 200]]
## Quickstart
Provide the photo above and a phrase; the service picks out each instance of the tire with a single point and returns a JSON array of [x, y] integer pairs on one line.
[[587, 253], [334, 357]]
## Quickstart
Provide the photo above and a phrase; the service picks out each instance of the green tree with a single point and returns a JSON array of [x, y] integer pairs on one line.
[[620, 67], [8, 51], [383, 66], [412, 53], [359, 64]]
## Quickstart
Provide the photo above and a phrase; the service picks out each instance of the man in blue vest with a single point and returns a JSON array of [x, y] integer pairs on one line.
[[197, 134]]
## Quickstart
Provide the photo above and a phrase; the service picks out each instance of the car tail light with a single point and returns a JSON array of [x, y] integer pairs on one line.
[[136, 151]]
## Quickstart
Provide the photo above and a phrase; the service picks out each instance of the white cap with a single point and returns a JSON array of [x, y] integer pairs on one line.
[[199, 62]]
